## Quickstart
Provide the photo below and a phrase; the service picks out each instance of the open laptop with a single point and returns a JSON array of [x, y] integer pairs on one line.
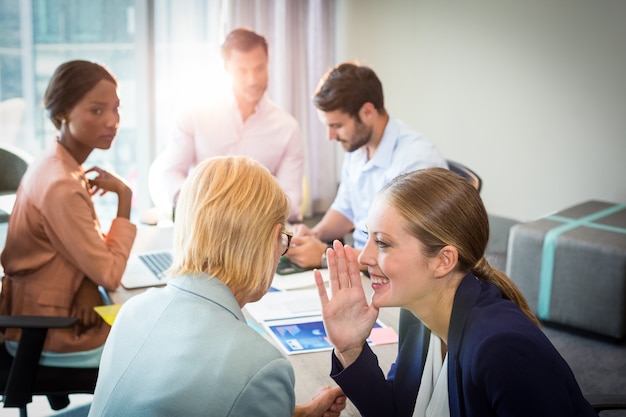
[[146, 269]]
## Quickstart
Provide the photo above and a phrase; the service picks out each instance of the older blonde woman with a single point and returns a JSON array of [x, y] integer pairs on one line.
[[185, 349]]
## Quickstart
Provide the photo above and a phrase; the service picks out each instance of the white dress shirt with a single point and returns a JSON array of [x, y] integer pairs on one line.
[[270, 135], [401, 150], [432, 397]]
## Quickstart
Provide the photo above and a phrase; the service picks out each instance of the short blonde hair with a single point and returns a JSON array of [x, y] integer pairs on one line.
[[226, 215]]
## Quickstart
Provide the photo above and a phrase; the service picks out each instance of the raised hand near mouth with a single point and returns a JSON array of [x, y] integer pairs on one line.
[[348, 318]]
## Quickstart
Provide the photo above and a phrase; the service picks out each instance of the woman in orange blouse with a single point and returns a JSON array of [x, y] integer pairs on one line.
[[56, 254]]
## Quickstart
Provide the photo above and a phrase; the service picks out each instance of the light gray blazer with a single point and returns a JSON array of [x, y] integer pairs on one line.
[[186, 350]]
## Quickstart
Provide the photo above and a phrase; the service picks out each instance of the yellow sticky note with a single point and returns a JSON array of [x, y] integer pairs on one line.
[[108, 313]]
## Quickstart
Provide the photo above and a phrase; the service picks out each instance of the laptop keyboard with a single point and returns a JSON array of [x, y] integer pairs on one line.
[[157, 262]]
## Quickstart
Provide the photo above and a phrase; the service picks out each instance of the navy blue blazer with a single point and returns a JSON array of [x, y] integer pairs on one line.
[[499, 364]]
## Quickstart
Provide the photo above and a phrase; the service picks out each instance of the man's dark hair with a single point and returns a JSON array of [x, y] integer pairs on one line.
[[243, 40], [347, 87]]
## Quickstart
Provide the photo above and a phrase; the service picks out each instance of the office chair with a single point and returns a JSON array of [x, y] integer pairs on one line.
[[13, 164], [467, 173], [22, 377], [607, 402]]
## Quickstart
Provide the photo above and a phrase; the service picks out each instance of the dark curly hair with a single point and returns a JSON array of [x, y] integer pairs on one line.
[[347, 87]]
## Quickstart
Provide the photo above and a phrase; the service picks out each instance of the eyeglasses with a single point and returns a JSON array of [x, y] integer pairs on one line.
[[287, 235]]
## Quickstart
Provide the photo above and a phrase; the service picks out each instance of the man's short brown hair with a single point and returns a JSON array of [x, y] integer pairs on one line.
[[243, 40]]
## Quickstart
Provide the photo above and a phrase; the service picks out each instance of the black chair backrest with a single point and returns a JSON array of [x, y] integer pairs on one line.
[[13, 164], [467, 173], [22, 377]]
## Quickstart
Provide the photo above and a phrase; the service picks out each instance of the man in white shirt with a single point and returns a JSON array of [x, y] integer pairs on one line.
[[350, 102], [246, 123]]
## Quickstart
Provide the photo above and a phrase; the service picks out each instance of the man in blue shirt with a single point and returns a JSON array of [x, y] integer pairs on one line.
[[350, 102]]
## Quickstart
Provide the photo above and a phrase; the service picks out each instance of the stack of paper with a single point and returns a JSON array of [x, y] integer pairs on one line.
[[304, 279], [278, 305]]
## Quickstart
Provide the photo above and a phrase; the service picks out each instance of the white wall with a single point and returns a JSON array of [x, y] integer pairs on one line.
[[529, 93]]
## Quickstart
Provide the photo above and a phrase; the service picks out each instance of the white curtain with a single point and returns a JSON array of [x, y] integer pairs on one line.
[[301, 37]]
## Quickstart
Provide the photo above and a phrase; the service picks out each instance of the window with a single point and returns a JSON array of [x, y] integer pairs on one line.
[[155, 71], [164, 54], [40, 35]]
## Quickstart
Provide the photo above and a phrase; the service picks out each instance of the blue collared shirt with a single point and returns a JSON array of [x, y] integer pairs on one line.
[[401, 150]]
